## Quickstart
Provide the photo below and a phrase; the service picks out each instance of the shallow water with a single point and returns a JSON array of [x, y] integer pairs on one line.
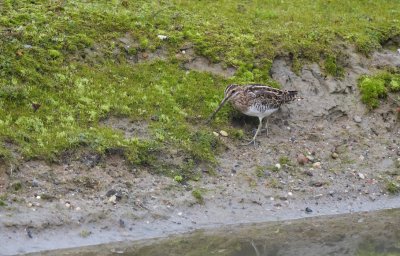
[[373, 233]]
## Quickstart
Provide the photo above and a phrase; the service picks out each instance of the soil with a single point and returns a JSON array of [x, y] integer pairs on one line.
[[350, 154]]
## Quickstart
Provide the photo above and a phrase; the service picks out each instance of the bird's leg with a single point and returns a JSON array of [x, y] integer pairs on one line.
[[258, 130], [266, 126]]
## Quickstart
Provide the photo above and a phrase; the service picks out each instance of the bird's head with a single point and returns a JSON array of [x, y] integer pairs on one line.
[[231, 91]]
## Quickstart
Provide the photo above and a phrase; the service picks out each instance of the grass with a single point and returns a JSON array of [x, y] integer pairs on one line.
[[375, 87], [67, 65]]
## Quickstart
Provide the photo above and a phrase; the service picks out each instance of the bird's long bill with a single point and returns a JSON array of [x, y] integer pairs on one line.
[[216, 111]]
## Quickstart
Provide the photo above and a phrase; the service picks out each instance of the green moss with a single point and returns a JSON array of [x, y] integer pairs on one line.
[[197, 194], [333, 68], [284, 160], [2, 203], [178, 178], [16, 186], [392, 187], [76, 59], [373, 88]]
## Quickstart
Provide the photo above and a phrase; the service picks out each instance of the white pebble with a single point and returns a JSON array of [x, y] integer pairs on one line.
[[77, 208], [317, 165], [290, 194], [68, 205], [162, 37], [179, 213], [216, 134], [278, 166], [38, 197], [113, 199], [362, 176], [223, 133]]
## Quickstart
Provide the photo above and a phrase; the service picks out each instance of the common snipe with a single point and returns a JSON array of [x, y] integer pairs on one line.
[[255, 100]]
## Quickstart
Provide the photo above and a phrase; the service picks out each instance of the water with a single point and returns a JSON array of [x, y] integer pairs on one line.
[[363, 234]]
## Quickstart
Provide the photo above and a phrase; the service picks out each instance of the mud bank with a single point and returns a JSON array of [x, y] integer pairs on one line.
[[88, 200]]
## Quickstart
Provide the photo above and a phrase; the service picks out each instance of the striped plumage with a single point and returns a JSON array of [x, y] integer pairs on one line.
[[256, 100]]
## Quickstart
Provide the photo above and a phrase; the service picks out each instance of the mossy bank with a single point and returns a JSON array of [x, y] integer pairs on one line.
[[66, 66]]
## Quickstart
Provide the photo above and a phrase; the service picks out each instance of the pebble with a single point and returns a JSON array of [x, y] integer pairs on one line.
[[290, 194], [316, 183], [278, 166], [308, 173], [68, 205], [113, 199], [317, 165], [362, 176], [111, 192], [334, 155], [223, 133], [283, 198], [361, 157], [30, 204], [78, 208], [162, 37], [301, 159], [180, 213], [357, 119], [308, 210], [216, 134], [311, 158], [38, 197], [35, 183]]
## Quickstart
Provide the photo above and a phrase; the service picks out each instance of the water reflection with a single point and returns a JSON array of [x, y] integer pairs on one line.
[[366, 234]]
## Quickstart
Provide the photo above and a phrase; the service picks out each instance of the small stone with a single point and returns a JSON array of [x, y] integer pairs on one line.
[[308, 173], [30, 205], [216, 134], [357, 119], [308, 210], [111, 192], [38, 197], [331, 193], [223, 133], [311, 158], [162, 37], [290, 194], [316, 183], [113, 199], [35, 183], [68, 205], [334, 155], [271, 198], [317, 165], [180, 213], [320, 127], [77, 208], [362, 176], [362, 157], [121, 223], [283, 198], [301, 159], [278, 166]]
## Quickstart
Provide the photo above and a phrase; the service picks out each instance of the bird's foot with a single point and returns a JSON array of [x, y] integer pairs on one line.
[[252, 141], [262, 130]]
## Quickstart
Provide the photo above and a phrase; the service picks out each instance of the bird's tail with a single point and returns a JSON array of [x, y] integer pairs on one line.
[[290, 96]]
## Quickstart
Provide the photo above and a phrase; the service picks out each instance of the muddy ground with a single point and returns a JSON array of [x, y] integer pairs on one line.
[[351, 154]]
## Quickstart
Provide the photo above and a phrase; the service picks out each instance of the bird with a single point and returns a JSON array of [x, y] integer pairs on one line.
[[256, 100]]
